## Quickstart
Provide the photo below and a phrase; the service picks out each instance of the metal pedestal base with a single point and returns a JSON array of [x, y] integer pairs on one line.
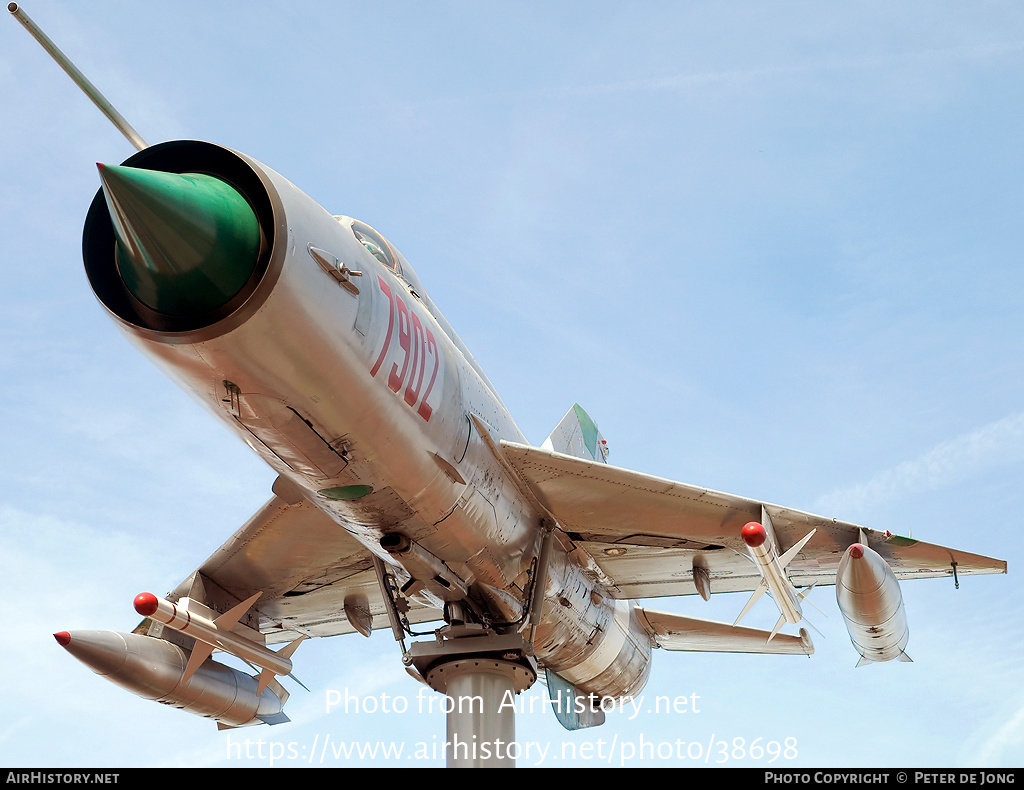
[[481, 675]]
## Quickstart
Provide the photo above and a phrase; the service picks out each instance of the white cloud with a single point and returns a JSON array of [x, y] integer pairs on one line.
[[1004, 746], [950, 462]]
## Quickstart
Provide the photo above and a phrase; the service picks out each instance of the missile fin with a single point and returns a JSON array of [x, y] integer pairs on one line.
[[786, 558], [200, 653], [230, 618], [265, 677], [298, 681], [753, 599], [288, 650], [802, 595], [285, 652], [203, 650]]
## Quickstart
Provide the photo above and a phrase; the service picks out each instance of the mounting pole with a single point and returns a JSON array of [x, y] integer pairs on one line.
[[79, 78], [480, 673]]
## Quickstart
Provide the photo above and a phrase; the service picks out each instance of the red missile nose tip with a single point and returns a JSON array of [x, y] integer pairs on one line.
[[145, 604], [753, 534], [63, 638], [856, 551]]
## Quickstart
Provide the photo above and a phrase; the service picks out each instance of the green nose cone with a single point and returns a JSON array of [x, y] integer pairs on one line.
[[186, 243]]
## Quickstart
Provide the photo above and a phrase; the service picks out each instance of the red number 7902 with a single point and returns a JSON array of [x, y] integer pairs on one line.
[[417, 343]]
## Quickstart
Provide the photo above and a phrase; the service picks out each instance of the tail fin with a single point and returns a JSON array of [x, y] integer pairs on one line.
[[574, 710], [577, 435]]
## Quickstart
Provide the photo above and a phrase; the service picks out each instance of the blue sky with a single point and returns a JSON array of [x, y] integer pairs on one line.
[[772, 248]]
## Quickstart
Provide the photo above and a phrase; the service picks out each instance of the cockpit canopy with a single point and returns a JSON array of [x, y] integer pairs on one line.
[[381, 249], [375, 243]]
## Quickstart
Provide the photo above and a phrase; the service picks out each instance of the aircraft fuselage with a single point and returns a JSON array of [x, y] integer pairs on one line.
[[334, 367]]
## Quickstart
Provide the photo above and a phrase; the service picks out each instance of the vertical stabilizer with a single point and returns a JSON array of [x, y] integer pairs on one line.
[[577, 435]]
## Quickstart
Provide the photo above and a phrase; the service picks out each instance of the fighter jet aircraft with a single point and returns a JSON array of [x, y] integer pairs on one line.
[[406, 494]]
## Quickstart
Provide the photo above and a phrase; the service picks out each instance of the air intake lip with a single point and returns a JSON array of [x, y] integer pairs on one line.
[[104, 256]]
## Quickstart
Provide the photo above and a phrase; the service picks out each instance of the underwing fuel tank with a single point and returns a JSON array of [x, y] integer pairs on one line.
[[153, 669], [870, 599]]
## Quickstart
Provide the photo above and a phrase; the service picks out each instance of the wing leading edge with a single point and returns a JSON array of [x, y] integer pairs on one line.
[[646, 533], [307, 567]]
